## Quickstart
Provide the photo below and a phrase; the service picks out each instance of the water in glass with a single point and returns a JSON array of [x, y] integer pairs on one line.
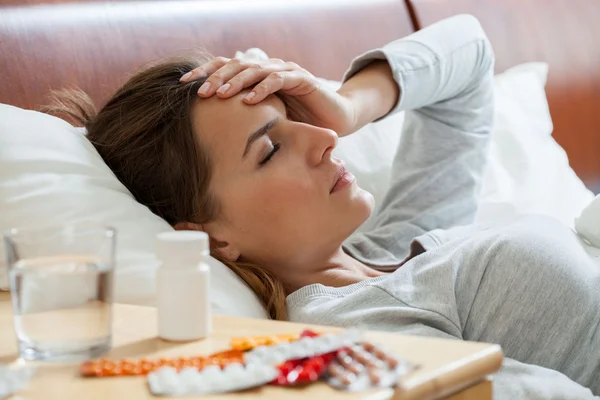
[[62, 307]]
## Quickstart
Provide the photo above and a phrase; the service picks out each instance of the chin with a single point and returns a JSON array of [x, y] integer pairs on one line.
[[350, 212], [363, 204]]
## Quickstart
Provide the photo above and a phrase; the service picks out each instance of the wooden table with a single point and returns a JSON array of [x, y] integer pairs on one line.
[[451, 368]]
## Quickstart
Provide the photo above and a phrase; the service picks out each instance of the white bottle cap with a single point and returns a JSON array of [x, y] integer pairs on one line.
[[181, 248]]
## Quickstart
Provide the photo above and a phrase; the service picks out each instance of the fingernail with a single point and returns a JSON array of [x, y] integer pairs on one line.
[[204, 88], [186, 76], [223, 89], [250, 96]]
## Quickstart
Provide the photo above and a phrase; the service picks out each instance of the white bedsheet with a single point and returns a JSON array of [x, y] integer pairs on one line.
[[587, 224]]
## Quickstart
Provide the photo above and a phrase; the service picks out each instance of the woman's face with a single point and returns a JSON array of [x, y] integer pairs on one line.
[[282, 204]]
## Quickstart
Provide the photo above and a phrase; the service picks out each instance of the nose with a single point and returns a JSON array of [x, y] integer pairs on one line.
[[318, 143]]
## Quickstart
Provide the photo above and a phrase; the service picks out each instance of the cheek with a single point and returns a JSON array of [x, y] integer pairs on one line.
[[274, 199], [281, 197]]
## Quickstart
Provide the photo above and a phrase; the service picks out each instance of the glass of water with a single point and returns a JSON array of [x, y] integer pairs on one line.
[[61, 283]]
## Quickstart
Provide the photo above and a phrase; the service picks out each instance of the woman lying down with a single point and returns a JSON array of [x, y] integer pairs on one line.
[[243, 151]]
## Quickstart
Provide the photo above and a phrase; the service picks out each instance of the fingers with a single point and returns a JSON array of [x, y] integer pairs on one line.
[[246, 78], [227, 77], [218, 80], [292, 82], [233, 78], [237, 75], [204, 70]]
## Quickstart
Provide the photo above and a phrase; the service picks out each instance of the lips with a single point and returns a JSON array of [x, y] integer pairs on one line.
[[342, 178]]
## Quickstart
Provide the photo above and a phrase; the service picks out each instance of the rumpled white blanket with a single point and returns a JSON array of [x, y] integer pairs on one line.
[[587, 224]]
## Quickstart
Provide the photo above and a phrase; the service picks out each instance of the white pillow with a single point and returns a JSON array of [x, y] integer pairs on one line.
[[528, 171], [50, 174]]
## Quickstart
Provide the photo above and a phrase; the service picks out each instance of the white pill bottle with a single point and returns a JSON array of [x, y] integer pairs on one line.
[[183, 303]]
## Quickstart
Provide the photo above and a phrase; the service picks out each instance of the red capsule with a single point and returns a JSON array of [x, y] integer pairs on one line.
[[328, 357], [292, 377], [301, 371], [316, 363], [307, 375], [308, 333], [286, 368]]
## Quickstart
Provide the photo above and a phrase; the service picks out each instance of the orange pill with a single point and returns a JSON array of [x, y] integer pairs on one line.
[[198, 362], [238, 343], [215, 361], [128, 368], [187, 363], [87, 369], [146, 367], [235, 353], [137, 370], [270, 340], [225, 362], [108, 366]]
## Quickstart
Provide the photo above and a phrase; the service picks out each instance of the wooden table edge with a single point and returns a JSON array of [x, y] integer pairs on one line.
[[454, 377]]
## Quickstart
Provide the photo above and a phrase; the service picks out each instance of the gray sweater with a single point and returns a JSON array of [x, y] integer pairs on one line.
[[526, 284]]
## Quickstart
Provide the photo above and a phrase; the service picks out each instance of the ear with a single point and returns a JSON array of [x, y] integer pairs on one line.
[[222, 247], [225, 250]]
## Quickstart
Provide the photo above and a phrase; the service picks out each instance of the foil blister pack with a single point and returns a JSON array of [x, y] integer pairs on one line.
[[190, 381]]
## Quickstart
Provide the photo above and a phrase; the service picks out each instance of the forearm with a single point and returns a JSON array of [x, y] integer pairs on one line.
[[373, 93], [436, 66]]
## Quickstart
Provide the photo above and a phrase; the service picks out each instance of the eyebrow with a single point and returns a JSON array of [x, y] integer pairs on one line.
[[260, 132]]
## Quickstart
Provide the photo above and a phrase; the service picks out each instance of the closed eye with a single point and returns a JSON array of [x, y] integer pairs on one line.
[[268, 157]]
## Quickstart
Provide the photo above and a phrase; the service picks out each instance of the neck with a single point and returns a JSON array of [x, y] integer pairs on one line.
[[339, 270]]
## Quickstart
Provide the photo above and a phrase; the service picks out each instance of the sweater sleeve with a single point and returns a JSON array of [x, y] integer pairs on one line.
[[445, 76]]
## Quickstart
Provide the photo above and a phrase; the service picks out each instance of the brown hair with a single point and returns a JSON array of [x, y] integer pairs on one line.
[[144, 134]]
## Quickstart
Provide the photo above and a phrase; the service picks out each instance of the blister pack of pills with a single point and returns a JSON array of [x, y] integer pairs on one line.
[[363, 366], [248, 343], [305, 347], [167, 381], [106, 368]]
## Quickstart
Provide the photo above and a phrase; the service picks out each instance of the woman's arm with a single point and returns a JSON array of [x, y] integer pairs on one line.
[[441, 62], [444, 75], [372, 92]]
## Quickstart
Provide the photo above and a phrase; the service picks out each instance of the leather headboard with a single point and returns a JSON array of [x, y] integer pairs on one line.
[[46, 44], [563, 33], [94, 45]]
